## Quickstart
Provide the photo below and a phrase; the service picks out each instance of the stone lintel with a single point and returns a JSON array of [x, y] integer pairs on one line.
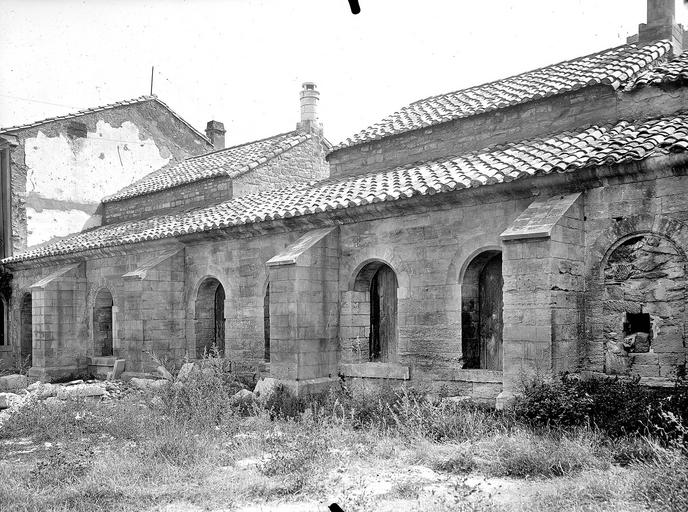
[[54, 276], [376, 371], [142, 271], [539, 219], [291, 254]]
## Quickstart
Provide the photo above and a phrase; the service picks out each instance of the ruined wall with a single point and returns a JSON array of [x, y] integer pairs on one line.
[[550, 115], [644, 310], [61, 170], [301, 164]]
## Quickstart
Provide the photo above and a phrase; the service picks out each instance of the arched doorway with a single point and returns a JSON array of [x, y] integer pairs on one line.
[[102, 323], [210, 317], [481, 312], [377, 283], [26, 328], [266, 323]]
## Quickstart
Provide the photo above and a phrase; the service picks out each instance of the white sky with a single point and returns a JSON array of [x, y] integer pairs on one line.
[[243, 61]]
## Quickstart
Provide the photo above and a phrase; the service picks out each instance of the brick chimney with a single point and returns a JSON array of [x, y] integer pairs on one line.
[[661, 24], [215, 131], [309, 108]]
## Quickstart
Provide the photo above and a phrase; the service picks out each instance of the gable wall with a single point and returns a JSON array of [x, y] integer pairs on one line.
[[58, 180]]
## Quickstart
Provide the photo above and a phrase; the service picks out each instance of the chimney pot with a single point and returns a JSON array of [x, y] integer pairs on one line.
[[215, 131], [309, 107]]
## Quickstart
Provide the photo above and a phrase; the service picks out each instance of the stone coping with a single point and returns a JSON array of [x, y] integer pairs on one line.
[[376, 371]]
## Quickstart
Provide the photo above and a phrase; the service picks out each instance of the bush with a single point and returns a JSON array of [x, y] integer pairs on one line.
[[617, 407]]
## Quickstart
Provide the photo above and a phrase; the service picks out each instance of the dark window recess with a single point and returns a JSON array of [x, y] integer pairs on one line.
[[637, 322], [76, 129], [266, 323], [2, 322], [638, 332]]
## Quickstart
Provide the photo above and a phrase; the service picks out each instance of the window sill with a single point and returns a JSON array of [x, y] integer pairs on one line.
[[5, 348], [376, 371]]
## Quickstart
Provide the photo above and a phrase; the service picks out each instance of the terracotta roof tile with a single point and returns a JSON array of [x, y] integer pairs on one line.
[[123, 103], [563, 152], [675, 70], [229, 162], [612, 67]]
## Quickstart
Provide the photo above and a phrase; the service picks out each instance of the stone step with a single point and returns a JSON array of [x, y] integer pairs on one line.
[[103, 361]]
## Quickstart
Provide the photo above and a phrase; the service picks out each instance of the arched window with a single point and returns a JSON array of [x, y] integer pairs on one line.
[[102, 323], [379, 284], [210, 317], [26, 328], [481, 312], [644, 307], [266, 323]]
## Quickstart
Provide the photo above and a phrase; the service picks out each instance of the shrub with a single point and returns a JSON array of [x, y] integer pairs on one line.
[[204, 399], [617, 407]]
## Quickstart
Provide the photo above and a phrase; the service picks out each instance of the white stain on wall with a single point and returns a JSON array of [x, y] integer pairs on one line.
[[46, 224], [86, 169], [82, 170]]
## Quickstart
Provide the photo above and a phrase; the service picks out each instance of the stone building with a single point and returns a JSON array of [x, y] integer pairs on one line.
[[537, 223], [54, 171]]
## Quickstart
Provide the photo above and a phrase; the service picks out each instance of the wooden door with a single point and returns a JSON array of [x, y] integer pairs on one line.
[[220, 318], [102, 325], [383, 315], [491, 305]]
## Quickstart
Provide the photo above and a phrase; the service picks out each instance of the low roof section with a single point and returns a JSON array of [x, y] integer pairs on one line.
[[617, 68], [567, 152]]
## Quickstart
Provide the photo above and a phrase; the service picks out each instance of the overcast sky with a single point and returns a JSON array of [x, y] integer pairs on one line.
[[243, 61]]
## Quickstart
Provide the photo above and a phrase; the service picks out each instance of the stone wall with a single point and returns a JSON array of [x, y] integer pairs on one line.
[[559, 113], [197, 194], [303, 163], [550, 283], [594, 105], [59, 173]]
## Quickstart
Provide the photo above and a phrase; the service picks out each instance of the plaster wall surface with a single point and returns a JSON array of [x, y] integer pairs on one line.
[[59, 173]]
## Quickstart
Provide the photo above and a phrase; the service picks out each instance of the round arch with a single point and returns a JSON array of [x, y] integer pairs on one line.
[[209, 316]]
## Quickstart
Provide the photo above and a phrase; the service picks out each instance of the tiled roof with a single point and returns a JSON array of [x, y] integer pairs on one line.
[[564, 152], [123, 103], [225, 162], [675, 70], [614, 67]]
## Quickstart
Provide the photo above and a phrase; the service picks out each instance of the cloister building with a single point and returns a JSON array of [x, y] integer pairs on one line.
[[538, 223]]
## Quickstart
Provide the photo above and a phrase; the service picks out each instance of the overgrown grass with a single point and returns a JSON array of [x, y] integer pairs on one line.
[[192, 440]]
